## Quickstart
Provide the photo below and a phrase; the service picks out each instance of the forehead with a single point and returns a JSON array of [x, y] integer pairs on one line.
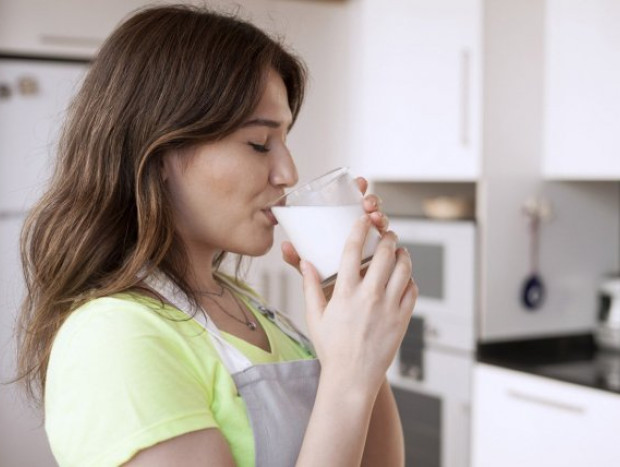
[[273, 103]]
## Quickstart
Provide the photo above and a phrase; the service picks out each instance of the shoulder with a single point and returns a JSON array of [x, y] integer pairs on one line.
[[121, 316], [124, 337], [121, 332], [144, 371]]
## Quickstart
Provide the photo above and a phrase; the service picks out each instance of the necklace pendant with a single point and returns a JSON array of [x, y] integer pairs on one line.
[[251, 325]]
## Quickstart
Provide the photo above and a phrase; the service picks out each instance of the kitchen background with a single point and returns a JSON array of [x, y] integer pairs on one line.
[[498, 107]]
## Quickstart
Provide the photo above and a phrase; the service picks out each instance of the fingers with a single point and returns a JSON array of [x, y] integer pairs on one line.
[[372, 206], [313, 293], [349, 271], [362, 183], [380, 221], [290, 255], [400, 278], [371, 203], [409, 297], [382, 263]]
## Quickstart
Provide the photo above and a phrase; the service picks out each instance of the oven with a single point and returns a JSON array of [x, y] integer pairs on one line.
[[432, 373]]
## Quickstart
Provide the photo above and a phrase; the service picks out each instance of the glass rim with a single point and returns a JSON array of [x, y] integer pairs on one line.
[[333, 174]]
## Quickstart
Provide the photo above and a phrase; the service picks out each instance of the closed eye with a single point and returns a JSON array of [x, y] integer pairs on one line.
[[259, 147]]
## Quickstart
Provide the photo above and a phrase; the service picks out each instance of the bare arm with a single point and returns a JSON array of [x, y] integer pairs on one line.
[[384, 443], [356, 335], [195, 449]]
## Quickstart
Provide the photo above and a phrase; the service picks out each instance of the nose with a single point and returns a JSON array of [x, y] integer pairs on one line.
[[283, 171]]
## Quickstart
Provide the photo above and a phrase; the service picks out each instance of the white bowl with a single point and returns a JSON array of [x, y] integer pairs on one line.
[[448, 207]]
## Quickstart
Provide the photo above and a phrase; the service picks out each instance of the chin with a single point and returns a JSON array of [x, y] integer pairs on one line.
[[258, 246], [263, 249]]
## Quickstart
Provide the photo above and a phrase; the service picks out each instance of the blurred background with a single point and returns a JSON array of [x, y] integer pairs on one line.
[[490, 129]]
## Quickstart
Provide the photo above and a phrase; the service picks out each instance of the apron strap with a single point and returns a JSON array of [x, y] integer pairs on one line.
[[275, 316], [231, 357]]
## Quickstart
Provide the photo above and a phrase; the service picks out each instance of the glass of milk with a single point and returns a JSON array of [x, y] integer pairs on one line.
[[318, 218]]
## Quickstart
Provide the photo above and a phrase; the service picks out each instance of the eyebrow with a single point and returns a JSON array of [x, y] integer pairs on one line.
[[265, 122]]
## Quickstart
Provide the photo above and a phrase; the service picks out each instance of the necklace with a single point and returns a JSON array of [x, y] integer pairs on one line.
[[206, 292], [250, 324]]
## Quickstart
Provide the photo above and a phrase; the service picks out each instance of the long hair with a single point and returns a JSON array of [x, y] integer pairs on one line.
[[167, 78]]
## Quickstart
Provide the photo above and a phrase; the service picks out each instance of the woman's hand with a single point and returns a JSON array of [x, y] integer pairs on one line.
[[372, 206], [357, 333]]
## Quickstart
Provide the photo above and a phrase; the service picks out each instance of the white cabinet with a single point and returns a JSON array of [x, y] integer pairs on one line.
[[525, 420], [582, 89], [59, 27], [419, 89]]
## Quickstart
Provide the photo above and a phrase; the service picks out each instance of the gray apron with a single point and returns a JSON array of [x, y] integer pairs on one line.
[[279, 397]]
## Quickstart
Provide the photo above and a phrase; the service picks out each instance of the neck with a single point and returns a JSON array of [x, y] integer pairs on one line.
[[201, 272]]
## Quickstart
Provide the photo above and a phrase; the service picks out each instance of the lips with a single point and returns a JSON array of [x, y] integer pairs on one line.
[[280, 201], [270, 216]]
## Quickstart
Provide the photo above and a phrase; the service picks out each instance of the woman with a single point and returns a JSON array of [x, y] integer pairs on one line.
[[145, 353]]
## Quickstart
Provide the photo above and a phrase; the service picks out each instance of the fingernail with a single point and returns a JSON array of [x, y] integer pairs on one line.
[[303, 266]]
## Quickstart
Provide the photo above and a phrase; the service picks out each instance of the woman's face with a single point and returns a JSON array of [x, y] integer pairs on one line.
[[220, 190]]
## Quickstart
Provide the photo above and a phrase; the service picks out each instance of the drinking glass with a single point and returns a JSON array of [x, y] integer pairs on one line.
[[318, 216]]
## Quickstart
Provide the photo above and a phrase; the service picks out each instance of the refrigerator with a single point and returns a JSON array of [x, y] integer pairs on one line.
[[34, 96]]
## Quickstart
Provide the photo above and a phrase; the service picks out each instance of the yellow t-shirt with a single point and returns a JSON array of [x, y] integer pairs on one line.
[[126, 373]]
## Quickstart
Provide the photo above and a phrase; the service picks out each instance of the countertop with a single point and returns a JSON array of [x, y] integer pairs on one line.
[[571, 358]]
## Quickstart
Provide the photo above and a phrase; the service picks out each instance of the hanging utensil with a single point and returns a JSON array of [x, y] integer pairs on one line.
[[533, 289]]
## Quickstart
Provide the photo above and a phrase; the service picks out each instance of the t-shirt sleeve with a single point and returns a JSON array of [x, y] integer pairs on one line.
[[121, 379]]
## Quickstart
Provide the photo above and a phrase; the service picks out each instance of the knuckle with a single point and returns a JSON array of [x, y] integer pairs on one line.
[[372, 294], [343, 287], [387, 243], [372, 199]]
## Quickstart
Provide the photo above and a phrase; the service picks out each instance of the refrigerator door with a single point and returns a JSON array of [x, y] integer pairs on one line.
[[33, 98], [22, 438]]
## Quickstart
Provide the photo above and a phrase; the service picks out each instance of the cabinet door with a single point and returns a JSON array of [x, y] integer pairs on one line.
[[521, 419], [60, 27], [582, 94], [420, 89]]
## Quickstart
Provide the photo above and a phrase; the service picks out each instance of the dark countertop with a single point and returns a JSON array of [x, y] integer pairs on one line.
[[572, 358]]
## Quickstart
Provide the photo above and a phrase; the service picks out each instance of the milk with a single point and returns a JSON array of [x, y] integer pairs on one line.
[[319, 233]]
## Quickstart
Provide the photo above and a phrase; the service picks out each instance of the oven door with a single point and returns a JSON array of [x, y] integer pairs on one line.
[[444, 268], [434, 407]]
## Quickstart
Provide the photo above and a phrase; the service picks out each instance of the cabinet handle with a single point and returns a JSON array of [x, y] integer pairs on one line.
[[546, 402], [70, 41], [465, 84], [284, 292]]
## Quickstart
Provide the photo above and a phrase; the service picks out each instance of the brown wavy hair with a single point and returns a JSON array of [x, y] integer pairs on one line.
[[168, 78]]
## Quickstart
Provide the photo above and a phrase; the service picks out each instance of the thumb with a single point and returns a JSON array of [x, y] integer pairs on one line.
[[314, 297]]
